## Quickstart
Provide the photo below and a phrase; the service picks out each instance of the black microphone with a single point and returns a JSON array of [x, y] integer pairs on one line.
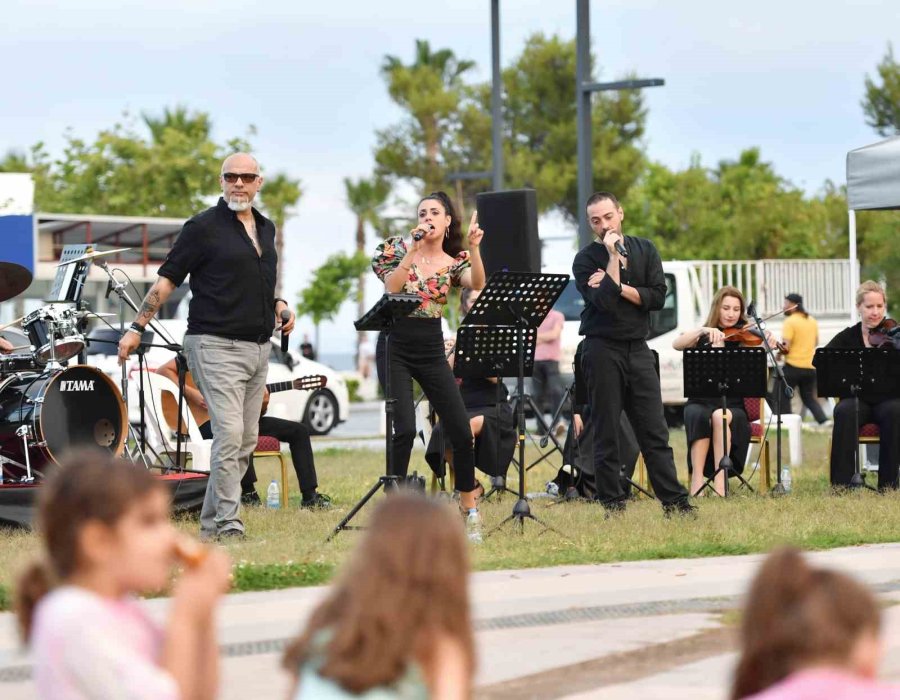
[[620, 249], [285, 317], [420, 234]]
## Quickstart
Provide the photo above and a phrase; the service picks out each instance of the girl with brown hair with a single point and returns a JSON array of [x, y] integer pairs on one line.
[[703, 417], [808, 633], [107, 537], [396, 624]]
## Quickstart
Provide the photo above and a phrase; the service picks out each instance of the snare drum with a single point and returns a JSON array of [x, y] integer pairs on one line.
[[53, 327], [77, 407]]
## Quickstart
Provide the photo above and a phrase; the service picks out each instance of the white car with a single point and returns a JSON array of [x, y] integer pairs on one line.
[[319, 410]]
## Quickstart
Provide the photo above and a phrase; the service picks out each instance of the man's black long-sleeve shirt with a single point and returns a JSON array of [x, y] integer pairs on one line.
[[606, 313], [233, 287]]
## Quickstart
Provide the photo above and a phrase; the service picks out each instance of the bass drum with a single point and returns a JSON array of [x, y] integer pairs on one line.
[[77, 407]]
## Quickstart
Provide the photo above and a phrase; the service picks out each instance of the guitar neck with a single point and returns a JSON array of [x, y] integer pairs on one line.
[[275, 387]]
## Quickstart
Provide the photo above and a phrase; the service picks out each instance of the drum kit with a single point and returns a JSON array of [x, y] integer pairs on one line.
[[47, 407]]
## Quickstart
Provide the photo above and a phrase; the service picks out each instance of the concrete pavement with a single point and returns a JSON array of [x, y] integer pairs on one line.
[[635, 629]]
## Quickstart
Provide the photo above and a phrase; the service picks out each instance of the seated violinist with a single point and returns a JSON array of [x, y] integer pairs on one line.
[[873, 330], [703, 417]]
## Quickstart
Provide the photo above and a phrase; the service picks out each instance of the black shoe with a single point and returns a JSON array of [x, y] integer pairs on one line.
[[231, 535], [250, 498], [681, 507], [318, 502], [612, 506]]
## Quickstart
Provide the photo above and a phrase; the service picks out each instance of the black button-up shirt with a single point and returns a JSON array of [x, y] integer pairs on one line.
[[606, 313], [233, 287]]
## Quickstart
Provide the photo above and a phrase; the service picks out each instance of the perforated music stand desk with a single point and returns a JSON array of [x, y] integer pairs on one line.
[[503, 323], [382, 317], [724, 373], [867, 373]]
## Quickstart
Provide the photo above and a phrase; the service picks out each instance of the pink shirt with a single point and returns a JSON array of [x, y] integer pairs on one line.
[[85, 647], [833, 684], [550, 349]]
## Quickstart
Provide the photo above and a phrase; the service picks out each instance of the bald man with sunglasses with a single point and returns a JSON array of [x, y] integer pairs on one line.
[[229, 253]]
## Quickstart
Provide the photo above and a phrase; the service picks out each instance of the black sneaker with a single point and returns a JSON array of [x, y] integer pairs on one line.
[[612, 506], [681, 507], [231, 535], [318, 502], [250, 498]]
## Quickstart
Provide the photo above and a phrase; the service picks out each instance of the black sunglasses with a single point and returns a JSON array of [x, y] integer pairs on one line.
[[246, 178]]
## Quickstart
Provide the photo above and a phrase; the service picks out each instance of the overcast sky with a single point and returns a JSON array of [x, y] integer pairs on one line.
[[785, 76]]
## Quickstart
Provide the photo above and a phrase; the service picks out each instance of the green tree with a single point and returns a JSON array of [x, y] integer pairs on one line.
[[331, 285], [881, 103], [366, 199], [280, 195], [430, 90]]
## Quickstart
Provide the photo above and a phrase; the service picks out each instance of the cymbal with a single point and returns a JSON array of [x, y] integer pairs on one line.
[[14, 279], [93, 254]]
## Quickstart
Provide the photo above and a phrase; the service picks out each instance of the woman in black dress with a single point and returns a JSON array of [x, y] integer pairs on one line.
[[871, 302], [703, 417]]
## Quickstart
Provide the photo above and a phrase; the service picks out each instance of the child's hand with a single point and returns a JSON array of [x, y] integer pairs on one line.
[[203, 584]]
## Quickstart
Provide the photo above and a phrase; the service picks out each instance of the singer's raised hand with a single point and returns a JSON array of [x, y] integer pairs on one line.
[[610, 238], [475, 231]]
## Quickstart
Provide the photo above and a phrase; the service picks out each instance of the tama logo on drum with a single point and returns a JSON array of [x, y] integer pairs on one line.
[[76, 385]]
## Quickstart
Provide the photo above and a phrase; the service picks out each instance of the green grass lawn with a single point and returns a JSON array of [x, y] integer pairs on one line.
[[287, 547]]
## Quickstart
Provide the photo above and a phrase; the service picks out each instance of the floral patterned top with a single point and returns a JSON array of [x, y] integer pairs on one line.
[[433, 290]]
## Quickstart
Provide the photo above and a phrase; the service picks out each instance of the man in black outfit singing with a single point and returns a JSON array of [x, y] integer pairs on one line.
[[622, 281]]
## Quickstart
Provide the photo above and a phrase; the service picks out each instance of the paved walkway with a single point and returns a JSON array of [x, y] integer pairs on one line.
[[635, 630]]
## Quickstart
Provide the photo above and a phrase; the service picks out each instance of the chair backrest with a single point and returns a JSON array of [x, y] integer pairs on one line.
[[754, 408], [160, 385]]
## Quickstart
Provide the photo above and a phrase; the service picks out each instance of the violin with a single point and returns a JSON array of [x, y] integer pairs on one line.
[[885, 335], [749, 336]]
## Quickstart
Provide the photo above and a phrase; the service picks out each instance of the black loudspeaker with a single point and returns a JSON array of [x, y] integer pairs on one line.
[[509, 220]]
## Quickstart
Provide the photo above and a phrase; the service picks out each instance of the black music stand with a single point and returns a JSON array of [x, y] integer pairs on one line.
[[724, 373], [847, 373], [382, 317], [505, 318]]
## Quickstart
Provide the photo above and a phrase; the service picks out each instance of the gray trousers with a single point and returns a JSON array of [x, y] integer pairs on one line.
[[231, 375]]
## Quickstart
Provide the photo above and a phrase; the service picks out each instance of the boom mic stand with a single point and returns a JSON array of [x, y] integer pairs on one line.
[[786, 392]]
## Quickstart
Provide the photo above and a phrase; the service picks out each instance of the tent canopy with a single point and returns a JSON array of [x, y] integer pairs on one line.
[[873, 176]]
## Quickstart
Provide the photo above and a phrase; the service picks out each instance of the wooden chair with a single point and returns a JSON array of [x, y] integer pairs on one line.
[[268, 446], [754, 409]]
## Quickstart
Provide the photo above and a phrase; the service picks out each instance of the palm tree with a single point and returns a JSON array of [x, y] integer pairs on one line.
[[279, 195], [426, 88], [366, 199]]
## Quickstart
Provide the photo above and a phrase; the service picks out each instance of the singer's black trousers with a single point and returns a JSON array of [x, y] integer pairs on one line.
[[843, 439], [621, 375], [416, 349]]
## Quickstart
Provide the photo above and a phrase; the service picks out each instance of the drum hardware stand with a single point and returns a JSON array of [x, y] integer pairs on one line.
[[22, 431], [382, 317]]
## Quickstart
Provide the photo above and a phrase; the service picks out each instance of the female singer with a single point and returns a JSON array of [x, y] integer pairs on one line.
[[703, 417], [871, 302], [429, 267]]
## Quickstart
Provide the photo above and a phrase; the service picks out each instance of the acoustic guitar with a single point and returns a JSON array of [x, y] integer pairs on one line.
[[201, 415]]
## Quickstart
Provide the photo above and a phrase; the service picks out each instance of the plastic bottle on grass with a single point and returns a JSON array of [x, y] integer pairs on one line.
[[273, 495], [786, 479]]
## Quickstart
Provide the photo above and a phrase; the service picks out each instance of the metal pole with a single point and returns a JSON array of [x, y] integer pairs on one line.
[[583, 100], [496, 109]]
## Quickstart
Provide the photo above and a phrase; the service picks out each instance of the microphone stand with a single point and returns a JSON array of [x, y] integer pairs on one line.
[[787, 392], [118, 287]]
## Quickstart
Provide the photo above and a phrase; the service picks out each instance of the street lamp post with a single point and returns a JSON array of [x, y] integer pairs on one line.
[[584, 89]]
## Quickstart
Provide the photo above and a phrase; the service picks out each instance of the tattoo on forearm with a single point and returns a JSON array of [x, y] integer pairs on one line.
[[149, 306]]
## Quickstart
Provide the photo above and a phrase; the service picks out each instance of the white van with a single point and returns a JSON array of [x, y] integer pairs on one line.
[[690, 286]]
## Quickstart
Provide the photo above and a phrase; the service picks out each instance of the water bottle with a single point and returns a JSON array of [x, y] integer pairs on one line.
[[786, 479], [273, 496]]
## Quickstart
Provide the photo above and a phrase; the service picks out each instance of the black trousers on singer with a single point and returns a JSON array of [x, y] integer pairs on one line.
[[417, 352], [843, 439], [622, 375]]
